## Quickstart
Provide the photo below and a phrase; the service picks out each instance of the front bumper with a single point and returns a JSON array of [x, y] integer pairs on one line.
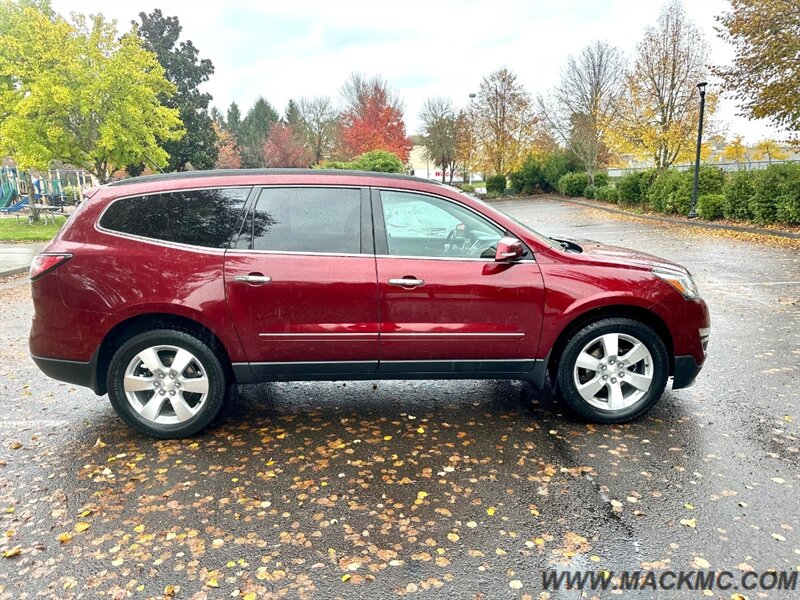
[[686, 370], [71, 371]]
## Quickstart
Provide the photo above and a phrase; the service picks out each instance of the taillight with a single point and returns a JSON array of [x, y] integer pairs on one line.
[[44, 263]]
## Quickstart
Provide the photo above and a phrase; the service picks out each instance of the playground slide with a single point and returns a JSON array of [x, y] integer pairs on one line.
[[8, 196], [16, 207]]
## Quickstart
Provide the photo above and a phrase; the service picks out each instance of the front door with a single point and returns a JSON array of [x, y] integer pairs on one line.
[[300, 282], [445, 304]]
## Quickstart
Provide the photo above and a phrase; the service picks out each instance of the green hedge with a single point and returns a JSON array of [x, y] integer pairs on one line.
[[711, 206], [608, 193], [671, 192], [380, 161], [573, 184], [496, 184]]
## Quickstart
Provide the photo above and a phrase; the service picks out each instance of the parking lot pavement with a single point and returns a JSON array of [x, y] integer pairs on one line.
[[16, 258], [466, 489]]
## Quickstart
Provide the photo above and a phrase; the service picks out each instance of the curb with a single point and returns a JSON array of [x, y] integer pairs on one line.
[[15, 271], [700, 224]]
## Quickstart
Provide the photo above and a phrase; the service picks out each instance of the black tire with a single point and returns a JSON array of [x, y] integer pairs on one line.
[[629, 327], [207, 359]]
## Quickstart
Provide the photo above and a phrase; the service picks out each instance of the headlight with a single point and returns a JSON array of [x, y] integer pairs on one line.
[[682, 282]]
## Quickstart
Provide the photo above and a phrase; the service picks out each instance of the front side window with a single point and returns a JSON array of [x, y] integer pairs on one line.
[[206, 218], [305, 220], [418, 225]]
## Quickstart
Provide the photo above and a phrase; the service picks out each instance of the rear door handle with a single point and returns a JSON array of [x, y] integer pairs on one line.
[[407, 282], [252, 278]]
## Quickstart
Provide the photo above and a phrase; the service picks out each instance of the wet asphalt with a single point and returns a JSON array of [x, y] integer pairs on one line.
[[425, 489]]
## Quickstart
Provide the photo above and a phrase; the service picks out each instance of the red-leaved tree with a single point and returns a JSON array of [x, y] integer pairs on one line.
[[228, 154], [284, 148], [372, 118]]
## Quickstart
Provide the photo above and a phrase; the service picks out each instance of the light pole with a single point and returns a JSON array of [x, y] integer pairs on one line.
[[702, 87], [471, 133]]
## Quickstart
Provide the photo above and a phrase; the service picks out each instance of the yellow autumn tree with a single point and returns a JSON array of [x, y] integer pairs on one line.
[[736, 151], [770, 150], [659, 113]]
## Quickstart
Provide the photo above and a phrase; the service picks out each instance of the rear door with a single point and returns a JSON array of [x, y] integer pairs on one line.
[[445, 304], [301, 282]]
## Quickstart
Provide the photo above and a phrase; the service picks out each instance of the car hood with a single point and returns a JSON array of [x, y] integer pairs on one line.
[[616, 255]]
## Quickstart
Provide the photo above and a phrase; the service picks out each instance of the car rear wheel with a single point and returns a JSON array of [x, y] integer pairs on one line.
[[166, 384], [613, 370]]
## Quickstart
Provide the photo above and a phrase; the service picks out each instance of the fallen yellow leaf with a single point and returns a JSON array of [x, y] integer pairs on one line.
[[139, 528], [12, 552], [82, 526], [689, 522], [64, 537], [212, 583], [490, 511]]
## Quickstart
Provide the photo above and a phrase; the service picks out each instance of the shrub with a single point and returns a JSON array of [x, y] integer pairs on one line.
[[788, 203], [738, 190], [589, 192], [608, 193], [710, 180], [628, 188], [648, 177], [380, 161], [496, 184], [467, 187], [529, 178], [711, 206], [601, 179], [554, 166], [776, 185], [661, 194], [573, 184], [492, 195]]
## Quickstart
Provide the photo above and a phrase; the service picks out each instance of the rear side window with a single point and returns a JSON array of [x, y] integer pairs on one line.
[[305, 220], [205, 218]]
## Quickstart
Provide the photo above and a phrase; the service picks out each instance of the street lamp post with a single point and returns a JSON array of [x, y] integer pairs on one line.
[[702, 87], [471, 141]]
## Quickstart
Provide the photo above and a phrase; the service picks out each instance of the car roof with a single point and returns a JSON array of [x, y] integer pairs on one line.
[[188, 175]]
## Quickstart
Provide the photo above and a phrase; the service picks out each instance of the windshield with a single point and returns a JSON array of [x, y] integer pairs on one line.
[[488, 208]]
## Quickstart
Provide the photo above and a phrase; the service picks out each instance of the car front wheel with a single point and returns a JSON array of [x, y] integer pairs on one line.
[[166, 384], [613, 370]]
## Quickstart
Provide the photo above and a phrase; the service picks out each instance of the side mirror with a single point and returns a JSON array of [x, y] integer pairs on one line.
[[509, 248]]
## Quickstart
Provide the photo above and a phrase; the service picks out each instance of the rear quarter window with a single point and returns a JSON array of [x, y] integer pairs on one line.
[[206, 218]]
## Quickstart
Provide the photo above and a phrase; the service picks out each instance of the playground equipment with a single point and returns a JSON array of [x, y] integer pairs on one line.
[[51, 190]]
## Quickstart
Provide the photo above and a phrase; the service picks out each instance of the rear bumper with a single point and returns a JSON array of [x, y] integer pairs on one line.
[[71, 371], [686, 370]]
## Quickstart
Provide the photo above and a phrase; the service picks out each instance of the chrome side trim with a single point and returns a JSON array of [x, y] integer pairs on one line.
[[361, 362], [453, 334], [374, 336], [304, 337]]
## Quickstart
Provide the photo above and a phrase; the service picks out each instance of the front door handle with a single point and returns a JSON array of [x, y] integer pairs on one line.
[[252, 278], [407, 282]]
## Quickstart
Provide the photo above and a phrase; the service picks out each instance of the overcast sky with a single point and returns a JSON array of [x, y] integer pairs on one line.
[[283, 50]]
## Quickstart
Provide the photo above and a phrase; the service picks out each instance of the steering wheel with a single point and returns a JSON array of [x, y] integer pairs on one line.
[[449, 242]]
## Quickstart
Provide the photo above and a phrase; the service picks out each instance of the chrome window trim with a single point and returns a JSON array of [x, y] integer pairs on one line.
[[483, 260], [296, 253], [156, 241]]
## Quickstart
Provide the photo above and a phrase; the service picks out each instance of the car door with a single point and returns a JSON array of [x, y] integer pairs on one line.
[[301, 283], [445, 304]]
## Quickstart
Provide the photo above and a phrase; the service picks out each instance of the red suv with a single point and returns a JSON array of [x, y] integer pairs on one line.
[[165, 290]]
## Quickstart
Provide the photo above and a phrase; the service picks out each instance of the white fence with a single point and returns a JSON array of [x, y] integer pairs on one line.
[[729, 166]]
